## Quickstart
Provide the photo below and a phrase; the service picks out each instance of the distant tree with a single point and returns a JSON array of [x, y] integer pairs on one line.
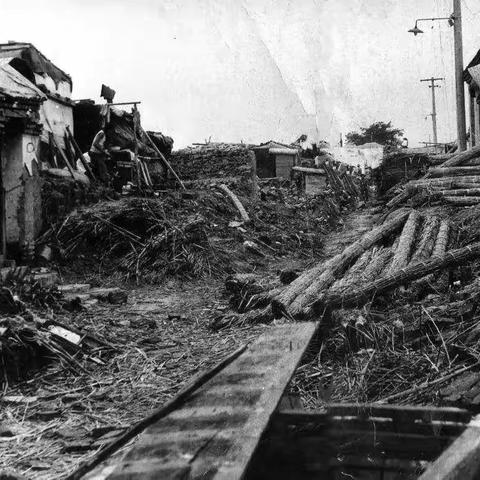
[[379, 132]]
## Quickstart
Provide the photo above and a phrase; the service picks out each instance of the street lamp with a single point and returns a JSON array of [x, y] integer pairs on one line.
[[455, 21]]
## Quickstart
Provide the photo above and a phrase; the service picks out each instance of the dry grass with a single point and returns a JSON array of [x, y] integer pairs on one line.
[[155, 355]]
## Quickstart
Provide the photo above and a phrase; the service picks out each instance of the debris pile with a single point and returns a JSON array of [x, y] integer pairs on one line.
[[29, 338], [193, 233], [398, 308], [401, 166], [202, 164]]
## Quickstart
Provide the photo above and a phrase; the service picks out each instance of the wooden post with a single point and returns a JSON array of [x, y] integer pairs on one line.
[[3, 212], [471, 93], [254, 179], [164, 160], [460, 92]]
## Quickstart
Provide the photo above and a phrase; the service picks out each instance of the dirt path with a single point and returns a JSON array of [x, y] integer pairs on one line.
[[354, 226]]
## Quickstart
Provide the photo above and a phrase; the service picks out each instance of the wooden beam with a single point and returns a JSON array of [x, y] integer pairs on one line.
[[216, 432]]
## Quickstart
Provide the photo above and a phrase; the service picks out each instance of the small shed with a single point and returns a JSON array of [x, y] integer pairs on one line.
[[274, 159], [314, 180]]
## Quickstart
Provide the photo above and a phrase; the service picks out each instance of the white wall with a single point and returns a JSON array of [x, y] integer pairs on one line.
[[59, 116]]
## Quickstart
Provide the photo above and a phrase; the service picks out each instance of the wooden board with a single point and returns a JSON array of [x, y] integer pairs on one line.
[[216, 432], [461, 460]]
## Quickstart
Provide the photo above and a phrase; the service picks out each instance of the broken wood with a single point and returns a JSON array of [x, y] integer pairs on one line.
[[407, 238], [395, 279], [238, 204]]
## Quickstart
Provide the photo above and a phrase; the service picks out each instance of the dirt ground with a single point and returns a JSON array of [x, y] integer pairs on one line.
[[56, 419]]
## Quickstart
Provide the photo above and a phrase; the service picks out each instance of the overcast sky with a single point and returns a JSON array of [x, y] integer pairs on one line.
[[253, 70]]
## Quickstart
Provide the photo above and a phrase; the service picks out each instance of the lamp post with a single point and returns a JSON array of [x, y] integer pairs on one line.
[[455, 20]]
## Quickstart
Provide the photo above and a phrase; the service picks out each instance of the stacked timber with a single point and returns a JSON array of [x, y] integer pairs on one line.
[[409, 248], [456, 181]]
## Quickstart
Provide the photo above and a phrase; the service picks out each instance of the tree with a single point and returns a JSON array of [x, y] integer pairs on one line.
[[379, 132]]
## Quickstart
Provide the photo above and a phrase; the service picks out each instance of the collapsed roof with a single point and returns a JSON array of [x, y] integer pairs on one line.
[[23, 55]]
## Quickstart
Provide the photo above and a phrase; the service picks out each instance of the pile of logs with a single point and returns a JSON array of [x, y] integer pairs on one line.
[[408, 248], [456, 181]]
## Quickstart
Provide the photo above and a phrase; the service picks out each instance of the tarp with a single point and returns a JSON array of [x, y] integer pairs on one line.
[[356, 155], [16, 85]]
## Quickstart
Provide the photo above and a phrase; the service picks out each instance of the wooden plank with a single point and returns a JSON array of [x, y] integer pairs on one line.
[[216, 432], [427, 414], [309, 422], [461, 460]]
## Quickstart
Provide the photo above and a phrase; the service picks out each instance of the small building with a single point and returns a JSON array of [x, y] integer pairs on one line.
[[274, 159], [313, 180], [471, 77], [20, 131]]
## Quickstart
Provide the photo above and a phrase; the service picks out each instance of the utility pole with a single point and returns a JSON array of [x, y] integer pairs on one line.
[[433, 86], [455, 20], [460, 89]]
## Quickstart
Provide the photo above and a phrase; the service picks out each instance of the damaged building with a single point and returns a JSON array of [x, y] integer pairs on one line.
[[36, 106]]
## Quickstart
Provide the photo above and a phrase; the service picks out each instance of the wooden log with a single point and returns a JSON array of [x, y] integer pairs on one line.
[[378, 264], [440, 159], [307, 287], [460, 192], [439, 249], [407, 238], [393, 280], [453, 171], [459, 158], [441, 241], [447, 182], [352, 275], [428, 236], [238, 204], [461, 460], [463, 201], [402, 196]]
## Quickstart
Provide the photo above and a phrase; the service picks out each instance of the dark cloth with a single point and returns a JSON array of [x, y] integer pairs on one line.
[[99, 166]]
